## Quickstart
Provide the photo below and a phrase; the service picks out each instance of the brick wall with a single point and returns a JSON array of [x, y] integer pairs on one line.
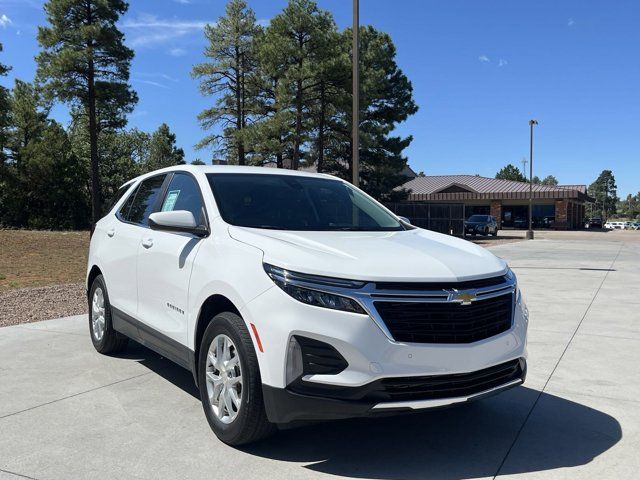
[[562, 207], [496, 211]]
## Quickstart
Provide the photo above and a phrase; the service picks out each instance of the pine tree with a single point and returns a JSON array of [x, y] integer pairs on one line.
[[511, 172], [228, 74], [162, 149], [85, 63], [5, 117], [294, 48]]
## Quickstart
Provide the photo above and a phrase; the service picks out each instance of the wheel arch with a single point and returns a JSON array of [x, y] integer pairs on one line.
[[211, 307], [93, 273]]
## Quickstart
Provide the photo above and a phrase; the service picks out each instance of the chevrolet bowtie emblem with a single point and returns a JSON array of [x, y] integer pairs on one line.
[[465, 298]]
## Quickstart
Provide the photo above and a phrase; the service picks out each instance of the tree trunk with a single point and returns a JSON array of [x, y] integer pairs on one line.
[[96, 203], [295, 160], [323, 107], [239, 108]]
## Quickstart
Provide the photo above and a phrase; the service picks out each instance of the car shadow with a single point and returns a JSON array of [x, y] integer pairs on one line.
[[470, 441]]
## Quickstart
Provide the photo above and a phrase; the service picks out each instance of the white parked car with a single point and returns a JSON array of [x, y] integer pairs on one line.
[[295, 296], [617, 225]]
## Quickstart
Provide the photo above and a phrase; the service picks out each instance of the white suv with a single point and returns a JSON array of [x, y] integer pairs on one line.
[[295, 296]]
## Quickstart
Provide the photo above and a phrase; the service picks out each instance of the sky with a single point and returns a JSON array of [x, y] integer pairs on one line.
[[480, 70]]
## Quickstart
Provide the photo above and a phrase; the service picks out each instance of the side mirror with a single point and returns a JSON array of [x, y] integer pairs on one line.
[[176, 221], [404, 220]]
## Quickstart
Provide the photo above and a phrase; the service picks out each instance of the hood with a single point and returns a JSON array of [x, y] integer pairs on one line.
[[409, 255]]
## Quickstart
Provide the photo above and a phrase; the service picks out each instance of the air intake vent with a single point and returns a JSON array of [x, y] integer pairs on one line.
[[319, 358]]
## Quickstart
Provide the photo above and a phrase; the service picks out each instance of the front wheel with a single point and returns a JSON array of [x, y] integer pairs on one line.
[[230, 383]]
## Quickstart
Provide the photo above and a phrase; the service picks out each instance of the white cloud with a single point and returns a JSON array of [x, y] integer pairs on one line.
[[5, 21], [183, 2], [149, 30], [150, 82], [502, 62], [571, 22], [177, 52], [263, 22], [162, 76], [484, 59]]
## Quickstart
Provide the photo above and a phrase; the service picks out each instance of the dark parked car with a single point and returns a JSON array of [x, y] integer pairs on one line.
[[593, 223], [481, 224]]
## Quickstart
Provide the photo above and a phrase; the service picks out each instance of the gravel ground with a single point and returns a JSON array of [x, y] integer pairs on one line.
[[25, 305]]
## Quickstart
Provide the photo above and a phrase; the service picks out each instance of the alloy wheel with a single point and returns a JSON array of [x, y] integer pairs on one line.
[[98, 314], [224, 378]]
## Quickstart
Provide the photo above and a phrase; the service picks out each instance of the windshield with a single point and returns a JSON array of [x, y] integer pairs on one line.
[[478, 218], [287, 202]]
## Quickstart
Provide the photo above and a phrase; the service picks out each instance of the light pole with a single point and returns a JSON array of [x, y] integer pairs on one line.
[[530, 231], [355, 156]]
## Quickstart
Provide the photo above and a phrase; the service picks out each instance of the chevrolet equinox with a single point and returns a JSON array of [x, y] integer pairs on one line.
[[295, 296]]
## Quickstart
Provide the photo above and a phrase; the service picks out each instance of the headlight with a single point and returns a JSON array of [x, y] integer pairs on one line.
[[313, 289], [512, 277]]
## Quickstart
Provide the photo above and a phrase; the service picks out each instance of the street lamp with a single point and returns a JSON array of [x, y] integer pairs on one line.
[[530, 231], [355, 156]]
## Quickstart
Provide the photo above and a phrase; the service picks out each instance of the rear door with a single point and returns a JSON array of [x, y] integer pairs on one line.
[[165, 261], [123, 238]]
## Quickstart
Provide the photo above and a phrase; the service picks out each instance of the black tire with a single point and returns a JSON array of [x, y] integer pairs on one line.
[[495, 232], [250, 424], [111, 341]]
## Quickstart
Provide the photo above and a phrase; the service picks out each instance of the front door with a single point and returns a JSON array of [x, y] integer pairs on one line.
[[165, 261]]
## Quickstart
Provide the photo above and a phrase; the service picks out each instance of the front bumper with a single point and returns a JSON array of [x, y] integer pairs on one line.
[[284, 405], [371, 356]]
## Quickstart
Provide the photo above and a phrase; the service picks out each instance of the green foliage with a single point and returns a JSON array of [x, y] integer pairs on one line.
[[511, 172], [604, 191], [228, 75], [549, 180], [84, 62], [162, 150], [197, 161], [5, 117], [629, 208]]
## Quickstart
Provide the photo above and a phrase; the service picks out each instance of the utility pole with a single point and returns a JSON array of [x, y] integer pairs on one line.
[[530, 231], [355, 156]]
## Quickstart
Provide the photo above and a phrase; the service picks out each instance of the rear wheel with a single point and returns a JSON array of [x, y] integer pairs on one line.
[[495, 232], [230, 383], [104, 338]]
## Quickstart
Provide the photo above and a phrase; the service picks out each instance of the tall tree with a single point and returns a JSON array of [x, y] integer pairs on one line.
[[5, 118], [511, 172], [296, 45], [162, 149], [29, 112], [85, 62], [228, 74], [549, 180], [605, 193]]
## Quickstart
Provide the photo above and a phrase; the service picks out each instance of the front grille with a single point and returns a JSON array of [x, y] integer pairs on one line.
[[446, 322], [449, 386]]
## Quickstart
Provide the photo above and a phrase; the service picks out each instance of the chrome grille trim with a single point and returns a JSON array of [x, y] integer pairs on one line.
[[366, 292]]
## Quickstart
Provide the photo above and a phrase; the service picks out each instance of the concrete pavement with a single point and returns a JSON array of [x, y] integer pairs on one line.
[[67, 412]]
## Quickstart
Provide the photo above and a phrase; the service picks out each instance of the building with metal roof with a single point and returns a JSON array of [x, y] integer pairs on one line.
[[443, 202]]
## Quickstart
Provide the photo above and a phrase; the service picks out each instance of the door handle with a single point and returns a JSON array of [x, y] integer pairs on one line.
[[147, 242], [111, 232]]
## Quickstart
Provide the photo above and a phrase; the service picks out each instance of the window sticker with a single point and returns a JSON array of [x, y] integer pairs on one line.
[[170, 201]]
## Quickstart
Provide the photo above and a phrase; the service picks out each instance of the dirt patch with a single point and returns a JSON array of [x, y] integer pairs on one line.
[[39, 258], [25, 305]]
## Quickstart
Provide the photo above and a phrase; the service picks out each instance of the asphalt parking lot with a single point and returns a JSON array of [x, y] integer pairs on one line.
[[67, 412]]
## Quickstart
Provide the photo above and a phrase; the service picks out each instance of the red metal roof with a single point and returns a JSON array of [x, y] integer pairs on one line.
[[435, 183]]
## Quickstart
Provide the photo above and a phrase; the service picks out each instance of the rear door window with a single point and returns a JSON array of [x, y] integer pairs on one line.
[[142, 203]]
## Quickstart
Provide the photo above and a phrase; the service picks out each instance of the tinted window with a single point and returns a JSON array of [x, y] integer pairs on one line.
[[478, 218], [183, 193], [126, 206], [287, 202], [116, 197], [144, 200]]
